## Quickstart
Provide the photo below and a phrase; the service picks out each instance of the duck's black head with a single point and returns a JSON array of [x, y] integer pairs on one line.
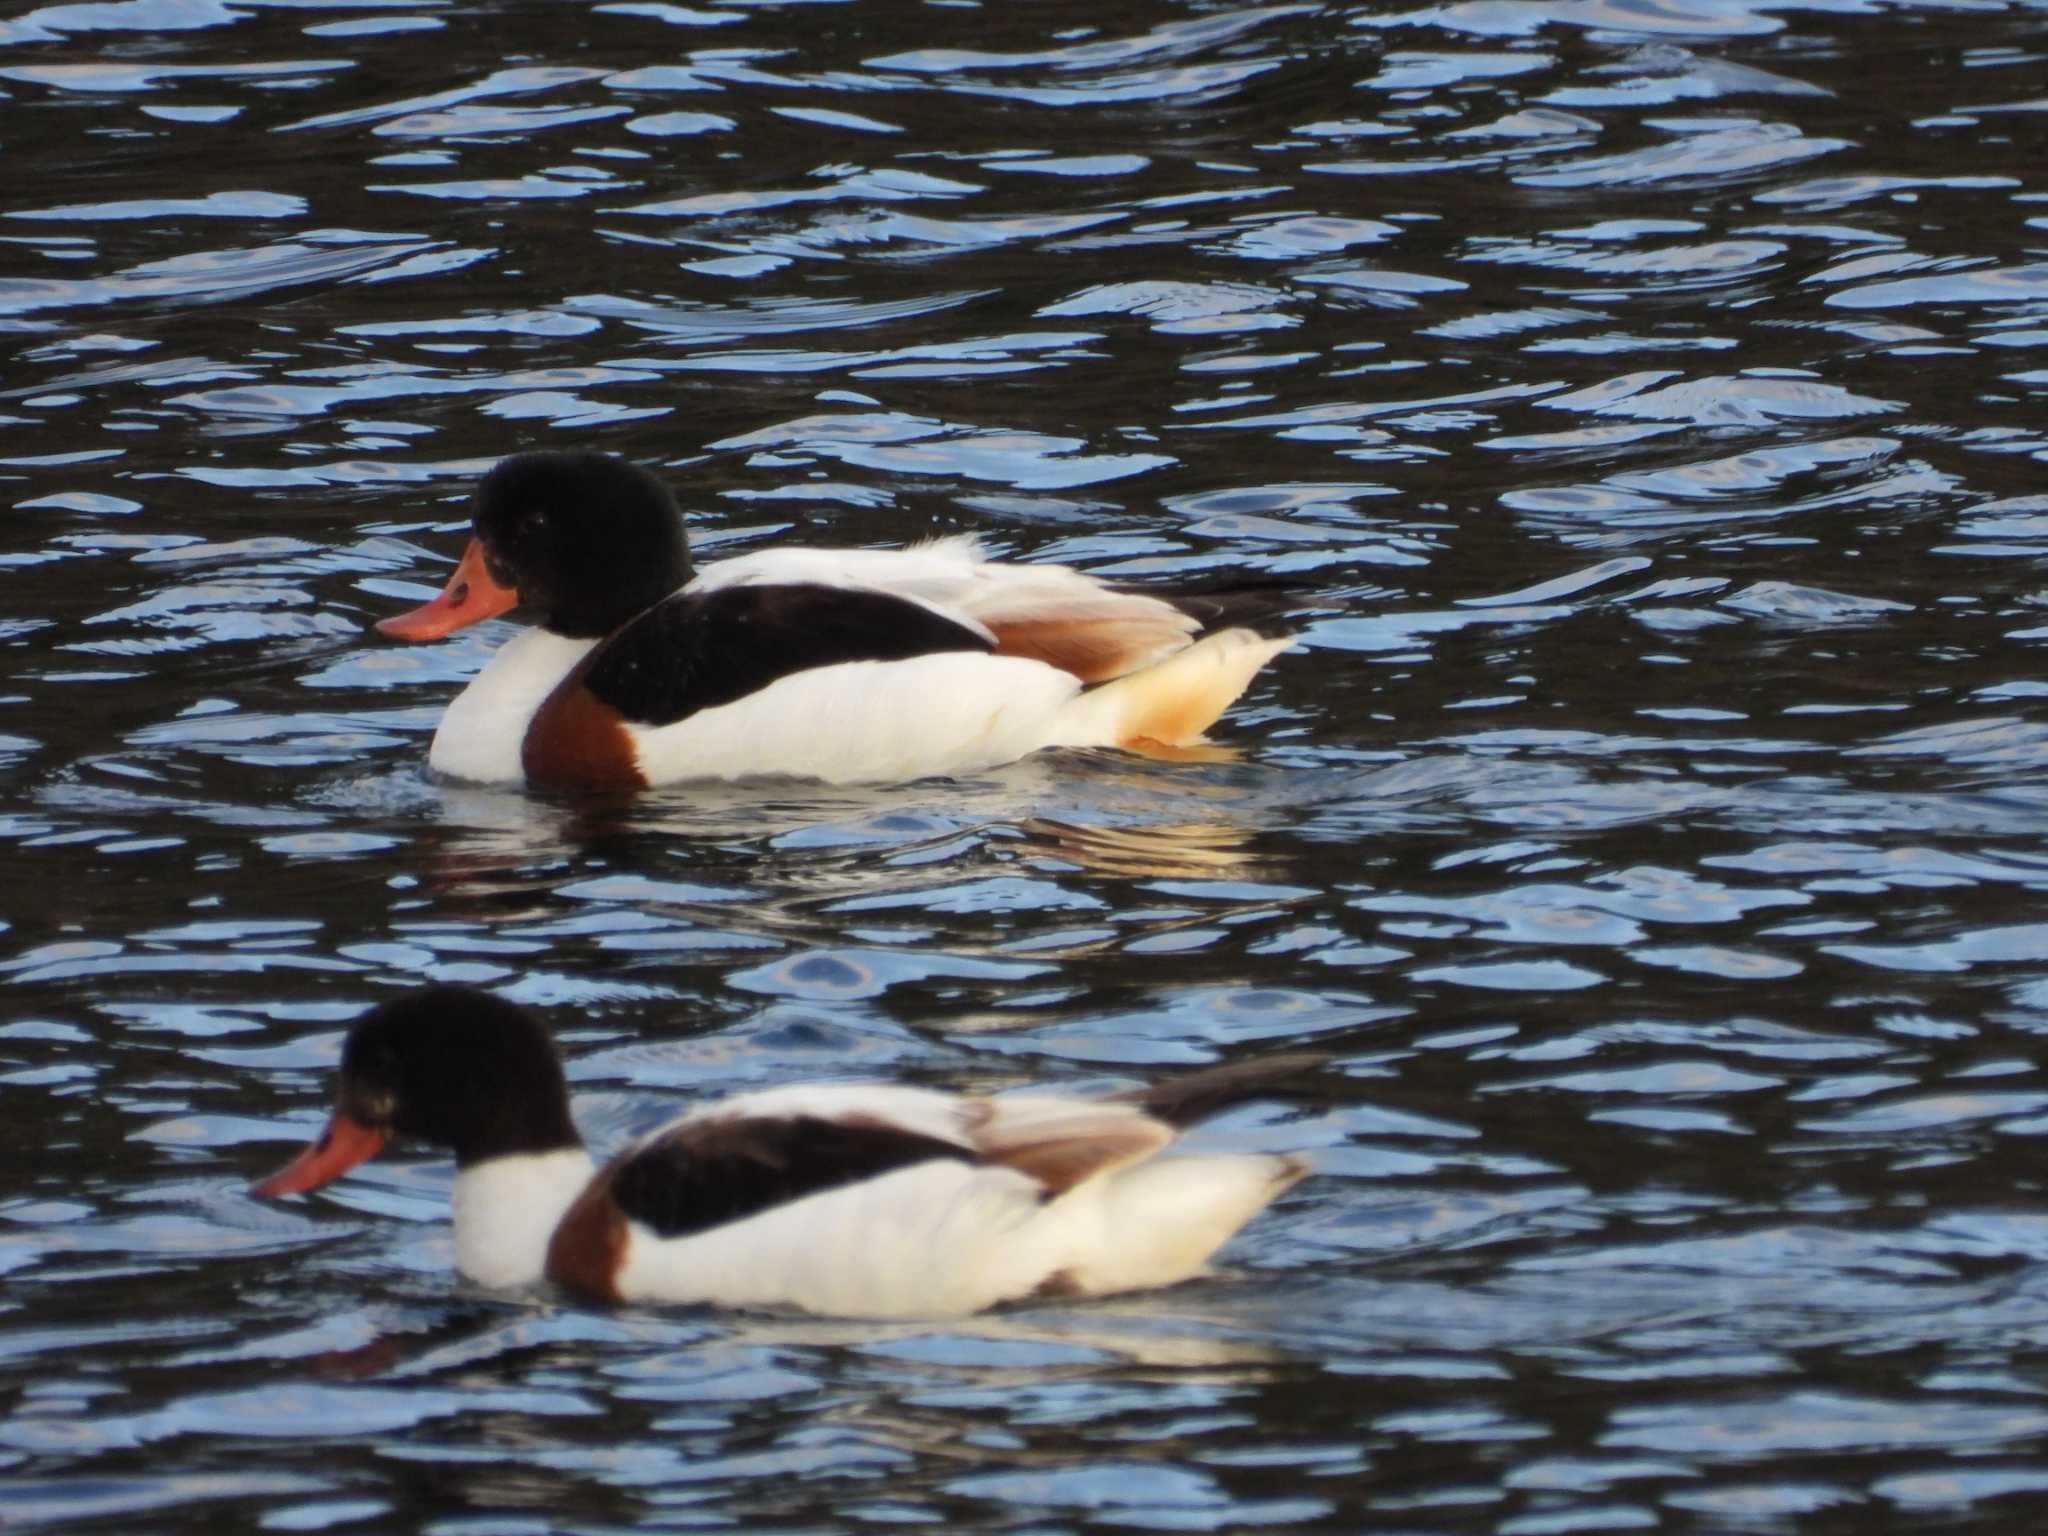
[[448, 1065], [587, 540], [581, 542]]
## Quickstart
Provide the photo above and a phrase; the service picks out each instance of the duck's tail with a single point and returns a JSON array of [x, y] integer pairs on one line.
[[1237, 601], [1190, 1097], [1160, 1222], [1172, 702]]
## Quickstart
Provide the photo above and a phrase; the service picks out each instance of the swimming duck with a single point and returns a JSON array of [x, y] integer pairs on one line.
[[845, 1200], [846, 666]]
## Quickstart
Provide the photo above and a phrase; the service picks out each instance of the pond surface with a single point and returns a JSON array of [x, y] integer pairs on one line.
[[1649, 822]]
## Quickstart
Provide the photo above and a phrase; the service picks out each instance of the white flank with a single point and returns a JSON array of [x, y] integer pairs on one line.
[[481, 735], [506, 1209], [863, 722], [937, 1239], [946, 1239]]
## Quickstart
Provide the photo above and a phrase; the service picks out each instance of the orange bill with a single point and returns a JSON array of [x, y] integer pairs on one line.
[[341, 1146], [470, 597]]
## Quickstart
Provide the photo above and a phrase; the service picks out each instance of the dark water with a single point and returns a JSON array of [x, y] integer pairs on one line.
[[1651, 824]]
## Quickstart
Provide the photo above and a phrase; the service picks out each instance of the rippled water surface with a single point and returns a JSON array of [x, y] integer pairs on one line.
[[1648, 822]]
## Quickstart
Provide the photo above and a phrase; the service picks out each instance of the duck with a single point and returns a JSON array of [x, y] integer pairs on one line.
[[842, 666], [846, 1200]]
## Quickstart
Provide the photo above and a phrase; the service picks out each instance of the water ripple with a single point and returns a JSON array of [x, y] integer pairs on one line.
[[1637, 398]]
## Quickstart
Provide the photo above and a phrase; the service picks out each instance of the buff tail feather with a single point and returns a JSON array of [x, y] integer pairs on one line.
[[1172, 702]]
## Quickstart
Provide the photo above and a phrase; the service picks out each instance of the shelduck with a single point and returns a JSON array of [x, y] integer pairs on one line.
[[844, 1200], [846, 666]]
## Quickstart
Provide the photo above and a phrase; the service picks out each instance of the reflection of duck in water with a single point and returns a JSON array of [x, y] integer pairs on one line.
[[848, 666], [1174, 851], [805, 846], [864, 1200]]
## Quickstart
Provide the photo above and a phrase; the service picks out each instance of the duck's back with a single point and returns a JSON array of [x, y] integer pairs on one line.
[[1050, 613]]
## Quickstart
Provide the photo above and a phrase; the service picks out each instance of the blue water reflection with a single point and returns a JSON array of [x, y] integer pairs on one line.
[[1646, 394]]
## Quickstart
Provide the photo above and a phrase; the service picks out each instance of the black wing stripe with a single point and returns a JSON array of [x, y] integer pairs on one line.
[[706, 1174], [697, 650]]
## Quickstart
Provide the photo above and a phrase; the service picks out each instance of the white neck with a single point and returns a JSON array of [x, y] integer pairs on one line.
[[484, 730], [506, 1209]]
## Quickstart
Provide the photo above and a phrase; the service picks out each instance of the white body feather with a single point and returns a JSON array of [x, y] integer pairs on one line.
[[936, 1239], [946, 1239], [867, 722], [879, 722], [506, 1209], [481, 736]]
